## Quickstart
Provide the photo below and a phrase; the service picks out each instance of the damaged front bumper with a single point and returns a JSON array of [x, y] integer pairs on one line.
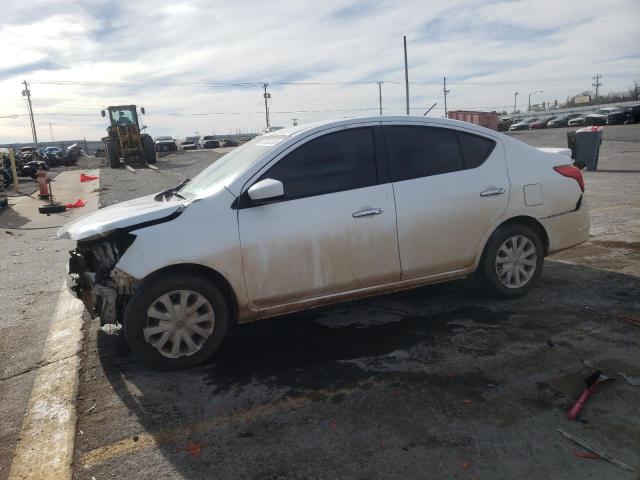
[[93, 278]]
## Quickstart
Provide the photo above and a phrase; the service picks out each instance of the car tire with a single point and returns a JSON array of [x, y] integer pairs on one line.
[[144, 332], [506, 267], [149, 150], [112, 154]]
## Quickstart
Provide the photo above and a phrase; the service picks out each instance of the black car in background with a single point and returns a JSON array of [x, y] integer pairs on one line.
[[623, 115], [563, 120], [209, 141]]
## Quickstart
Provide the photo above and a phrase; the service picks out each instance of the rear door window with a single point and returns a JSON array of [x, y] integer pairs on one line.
[[416, 151], [334, 162]]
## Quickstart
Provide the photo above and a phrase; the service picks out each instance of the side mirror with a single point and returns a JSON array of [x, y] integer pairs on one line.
[[142, 110], [103, 113], [267, 189]]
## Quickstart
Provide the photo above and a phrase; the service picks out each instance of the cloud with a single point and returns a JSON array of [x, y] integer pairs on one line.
[[171, 58]]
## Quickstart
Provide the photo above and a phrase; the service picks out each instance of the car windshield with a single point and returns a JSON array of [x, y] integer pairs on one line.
[[223, 171]]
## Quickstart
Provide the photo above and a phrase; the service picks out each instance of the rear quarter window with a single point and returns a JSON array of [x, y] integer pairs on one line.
[[475, 149]]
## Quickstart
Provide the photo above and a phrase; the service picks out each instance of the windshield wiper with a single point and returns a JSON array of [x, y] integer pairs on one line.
[[166, 194]]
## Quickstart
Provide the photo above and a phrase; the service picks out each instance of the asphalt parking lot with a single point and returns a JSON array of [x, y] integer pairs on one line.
[[436, 382]]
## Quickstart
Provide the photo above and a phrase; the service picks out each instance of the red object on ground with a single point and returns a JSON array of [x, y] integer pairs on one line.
[[79, 203], [87, 178], [195, 448], [586, 454]]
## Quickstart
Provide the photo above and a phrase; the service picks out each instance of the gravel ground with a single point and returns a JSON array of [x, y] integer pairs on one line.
[[437, 382]]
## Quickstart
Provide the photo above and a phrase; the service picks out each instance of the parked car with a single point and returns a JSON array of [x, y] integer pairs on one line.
[[188, 145], [166, 144], [28, 153], [100, 152], [53, 156], [623, 115], [209, 141], [576, 121], [522, 124], [541, 123], [599, 117], [633, 113], [317, 214], [504, 123], [228, 142], [563, 120]]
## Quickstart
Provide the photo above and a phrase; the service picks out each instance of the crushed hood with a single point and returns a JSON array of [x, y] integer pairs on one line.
[[122, 215]]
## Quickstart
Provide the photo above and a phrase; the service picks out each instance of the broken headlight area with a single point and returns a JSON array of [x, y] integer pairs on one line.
[[94, 278]]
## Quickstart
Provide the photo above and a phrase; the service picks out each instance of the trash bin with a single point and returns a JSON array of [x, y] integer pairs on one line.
[[585, 146]]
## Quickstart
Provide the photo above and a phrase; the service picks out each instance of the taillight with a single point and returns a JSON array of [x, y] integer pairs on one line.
[[571, 172]]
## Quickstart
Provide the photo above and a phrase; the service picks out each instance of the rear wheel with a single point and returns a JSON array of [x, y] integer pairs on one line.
[[149, 150], [512, 261], [176, 321], [112, 154]]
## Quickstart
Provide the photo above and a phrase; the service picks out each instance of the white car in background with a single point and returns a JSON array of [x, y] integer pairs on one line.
[[316, 214]]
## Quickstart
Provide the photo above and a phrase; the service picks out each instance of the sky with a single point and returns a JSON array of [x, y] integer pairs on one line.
[[199, 66]]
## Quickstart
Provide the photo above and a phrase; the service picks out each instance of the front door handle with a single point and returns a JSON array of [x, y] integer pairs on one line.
[[491, 191], [366, 212]]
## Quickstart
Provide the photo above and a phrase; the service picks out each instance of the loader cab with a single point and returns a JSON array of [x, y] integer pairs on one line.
[[123, 115]]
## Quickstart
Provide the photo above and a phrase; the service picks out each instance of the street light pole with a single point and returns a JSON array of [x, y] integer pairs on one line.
[[533, 93], [266, 105], [515, 102], [380, 96]]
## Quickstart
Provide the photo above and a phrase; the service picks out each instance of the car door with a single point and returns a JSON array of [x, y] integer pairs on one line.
[[333, 231], [450, 186]]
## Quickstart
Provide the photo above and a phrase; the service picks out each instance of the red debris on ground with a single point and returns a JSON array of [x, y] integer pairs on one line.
[[466, 402], [79, 203], [586, 454], [195, 448], [466, 465], [87, 178]]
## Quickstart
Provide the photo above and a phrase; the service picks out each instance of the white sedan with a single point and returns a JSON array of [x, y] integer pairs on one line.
[[316, 214]]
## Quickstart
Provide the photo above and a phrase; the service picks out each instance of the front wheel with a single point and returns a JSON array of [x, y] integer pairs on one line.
[[512, 261], [149, 150], [112, 154], [176, 321]]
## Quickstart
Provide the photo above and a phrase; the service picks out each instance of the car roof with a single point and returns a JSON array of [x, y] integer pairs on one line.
[[305, 129]]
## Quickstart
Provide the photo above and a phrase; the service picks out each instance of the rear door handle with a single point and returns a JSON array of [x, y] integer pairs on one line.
[[492, 191], [366, 212]]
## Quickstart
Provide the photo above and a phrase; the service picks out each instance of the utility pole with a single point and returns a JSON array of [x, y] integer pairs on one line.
[[406, 73], [27, 93], [597, 84], [267, 96], [635, 91], [51, 132], [380, 96], [445, 92], [515, 102]]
